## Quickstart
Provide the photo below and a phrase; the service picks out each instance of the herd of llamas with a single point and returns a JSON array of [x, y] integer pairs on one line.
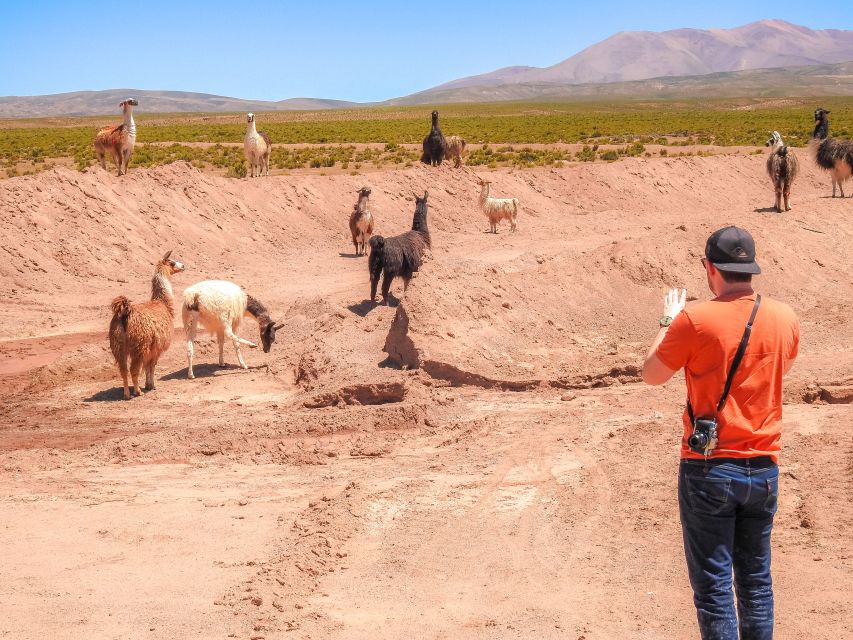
[[141, 332]]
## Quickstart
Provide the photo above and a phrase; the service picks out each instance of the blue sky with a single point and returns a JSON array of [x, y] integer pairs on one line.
[[361, 51]]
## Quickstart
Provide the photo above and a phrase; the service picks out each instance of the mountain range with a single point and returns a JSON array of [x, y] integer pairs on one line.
[[765, 58], [89, 103], [639, 55]]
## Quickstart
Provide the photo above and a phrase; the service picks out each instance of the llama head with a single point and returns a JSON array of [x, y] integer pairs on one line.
[[250, 117], [268, 334], [172, 265], [126, 104], [364, 192], [421, 201], [774, 140], [435, 117], [821, 129]]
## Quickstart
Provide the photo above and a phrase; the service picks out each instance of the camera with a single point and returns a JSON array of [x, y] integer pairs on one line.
[[703, 440]]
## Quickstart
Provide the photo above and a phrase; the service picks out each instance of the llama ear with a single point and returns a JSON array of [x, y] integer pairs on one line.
[[426, 193], [168, 253], [278, 326]]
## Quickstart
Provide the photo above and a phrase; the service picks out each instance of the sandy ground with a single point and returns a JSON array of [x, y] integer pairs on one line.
[[477, 460]]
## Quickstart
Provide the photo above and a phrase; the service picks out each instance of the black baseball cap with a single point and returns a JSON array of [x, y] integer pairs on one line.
[[732, 249]]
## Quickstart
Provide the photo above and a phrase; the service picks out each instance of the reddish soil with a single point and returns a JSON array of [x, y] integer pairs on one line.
[[478, 460]]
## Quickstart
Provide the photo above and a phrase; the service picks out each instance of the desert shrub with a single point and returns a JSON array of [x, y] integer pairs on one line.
[[238, 170], [635, 149], [610, 155], [504, 126], [587, 154], [83, 158]]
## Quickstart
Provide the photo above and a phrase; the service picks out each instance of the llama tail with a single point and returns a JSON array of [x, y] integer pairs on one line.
[[121, 310], [783, 164]]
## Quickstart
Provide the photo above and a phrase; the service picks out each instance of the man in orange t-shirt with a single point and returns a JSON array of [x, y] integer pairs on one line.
[[727, 496]]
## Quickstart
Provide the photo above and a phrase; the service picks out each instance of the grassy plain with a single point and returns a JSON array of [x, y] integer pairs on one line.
[[29, 145]]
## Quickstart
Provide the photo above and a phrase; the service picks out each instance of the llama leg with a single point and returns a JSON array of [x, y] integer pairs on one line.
[[117, 159], [779, 199], [787, 195], [190, 330], [240, 360], [102, 159], [149, 376], [374, 282], [220, 340], [135, 366], [122, 367], [236, 341], [386, 287]]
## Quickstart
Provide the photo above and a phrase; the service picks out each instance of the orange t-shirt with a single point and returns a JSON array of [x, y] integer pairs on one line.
[[703, 340]]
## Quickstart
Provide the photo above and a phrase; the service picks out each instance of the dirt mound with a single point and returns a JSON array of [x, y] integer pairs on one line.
[[277, 597]]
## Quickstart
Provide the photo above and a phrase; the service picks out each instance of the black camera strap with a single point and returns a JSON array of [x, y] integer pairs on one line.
[[735, 362]]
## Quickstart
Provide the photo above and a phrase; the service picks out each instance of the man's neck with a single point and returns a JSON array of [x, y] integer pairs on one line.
[[735, 289]]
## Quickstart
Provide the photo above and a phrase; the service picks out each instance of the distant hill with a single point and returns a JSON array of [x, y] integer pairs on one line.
[[92, 103], [766, 58], [818, 80], [640, 55]]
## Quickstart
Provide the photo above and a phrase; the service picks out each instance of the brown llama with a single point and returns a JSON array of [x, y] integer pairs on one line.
[[118, 140], [454, 150], [143, 331], [361, 222]]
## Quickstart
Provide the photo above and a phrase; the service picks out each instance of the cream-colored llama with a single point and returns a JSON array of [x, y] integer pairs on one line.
[[497, 209], [258, 147]]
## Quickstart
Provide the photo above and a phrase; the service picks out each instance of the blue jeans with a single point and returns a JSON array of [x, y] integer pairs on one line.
[[727, 509]]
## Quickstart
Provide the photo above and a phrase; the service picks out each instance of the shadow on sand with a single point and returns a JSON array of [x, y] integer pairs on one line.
[[366, 306], [109, 395], [208, 370]]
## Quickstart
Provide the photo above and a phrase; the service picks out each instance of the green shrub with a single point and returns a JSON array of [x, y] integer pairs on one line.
[[587, 154], [237, 170], [635, 149]]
